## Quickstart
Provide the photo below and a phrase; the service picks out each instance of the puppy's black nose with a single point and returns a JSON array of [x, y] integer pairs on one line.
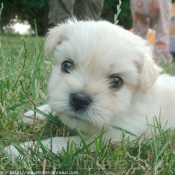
[[79, 101]]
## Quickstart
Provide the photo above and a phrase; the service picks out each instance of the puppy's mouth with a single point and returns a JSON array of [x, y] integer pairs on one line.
[[78, 118]]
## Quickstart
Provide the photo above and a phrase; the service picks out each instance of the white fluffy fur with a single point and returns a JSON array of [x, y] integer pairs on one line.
[[99, 50]]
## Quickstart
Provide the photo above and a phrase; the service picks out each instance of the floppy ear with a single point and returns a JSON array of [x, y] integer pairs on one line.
[[149, 73], [54, 37]]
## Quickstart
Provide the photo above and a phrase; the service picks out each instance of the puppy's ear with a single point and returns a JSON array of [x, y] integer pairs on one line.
[[149, 73], [54, 37]]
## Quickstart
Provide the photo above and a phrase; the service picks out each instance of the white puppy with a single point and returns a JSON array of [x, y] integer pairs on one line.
[[104, 77]]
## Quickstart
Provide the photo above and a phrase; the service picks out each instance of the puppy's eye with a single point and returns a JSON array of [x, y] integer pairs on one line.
[[67, 66], [116, 82]]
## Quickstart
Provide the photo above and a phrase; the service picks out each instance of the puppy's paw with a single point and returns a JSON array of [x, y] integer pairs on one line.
[[55, 144], [21, 150], [30, 117], [11, 150]]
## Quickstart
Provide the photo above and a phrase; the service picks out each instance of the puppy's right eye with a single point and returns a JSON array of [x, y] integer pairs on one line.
[[67, 66]]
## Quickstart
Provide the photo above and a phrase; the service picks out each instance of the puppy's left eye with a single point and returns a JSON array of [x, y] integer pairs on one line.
[[67, 66], [116, 82]]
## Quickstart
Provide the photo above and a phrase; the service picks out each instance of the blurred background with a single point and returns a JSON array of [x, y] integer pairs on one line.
[[25, 17]]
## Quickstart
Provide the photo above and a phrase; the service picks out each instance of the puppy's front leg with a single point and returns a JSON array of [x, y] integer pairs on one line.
[[28, 117], [55, 144]]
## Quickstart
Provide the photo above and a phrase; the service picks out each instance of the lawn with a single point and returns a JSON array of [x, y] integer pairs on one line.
[[24, 73]]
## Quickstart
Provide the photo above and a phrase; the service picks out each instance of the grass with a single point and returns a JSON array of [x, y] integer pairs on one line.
[[24, 73]]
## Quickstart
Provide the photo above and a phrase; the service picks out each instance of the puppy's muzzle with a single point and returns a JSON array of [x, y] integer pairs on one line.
[[79, 101]]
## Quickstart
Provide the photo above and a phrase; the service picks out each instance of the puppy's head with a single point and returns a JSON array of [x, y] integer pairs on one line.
[[99, 68]]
